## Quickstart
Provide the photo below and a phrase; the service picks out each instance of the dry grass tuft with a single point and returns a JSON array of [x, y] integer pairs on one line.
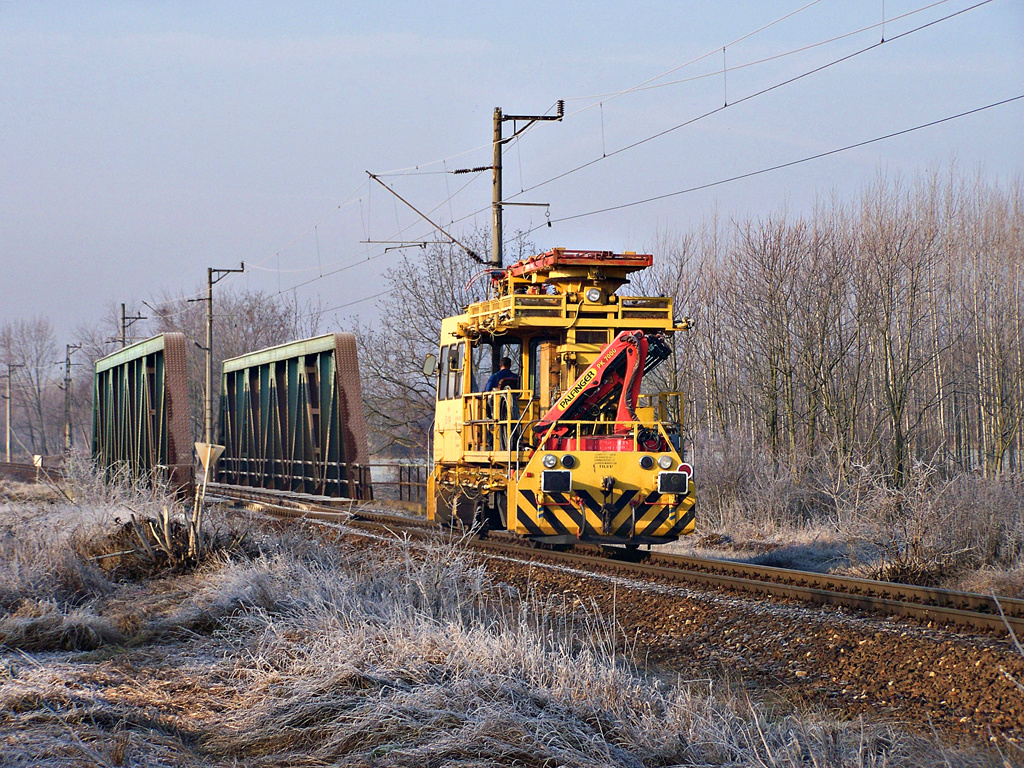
[[934, 529], [62, 552], [36, 493], [988, 581], [44, 626], [37, 558]]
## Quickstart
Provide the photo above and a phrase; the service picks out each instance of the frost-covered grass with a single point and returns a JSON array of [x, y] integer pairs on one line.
[[39, 548], [407, 659], [300, 652], [936, 528], [67, 548]]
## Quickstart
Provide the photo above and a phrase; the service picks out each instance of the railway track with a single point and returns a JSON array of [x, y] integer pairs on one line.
[[940, 606], [24, 473]]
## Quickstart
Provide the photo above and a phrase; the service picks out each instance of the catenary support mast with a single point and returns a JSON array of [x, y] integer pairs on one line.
[[213, 276]]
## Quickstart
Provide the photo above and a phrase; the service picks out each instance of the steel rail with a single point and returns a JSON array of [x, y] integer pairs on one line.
[[723, 581], [926, 604], [8, 469], [880, 590], [26, 473]]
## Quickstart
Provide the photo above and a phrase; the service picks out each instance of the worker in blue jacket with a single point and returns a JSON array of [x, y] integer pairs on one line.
[[501, 376], [507, 407]]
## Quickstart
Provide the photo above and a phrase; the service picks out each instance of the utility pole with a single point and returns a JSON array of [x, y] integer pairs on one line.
[[497, 203], [497, 245], [10, 373], [213, 276], [127, 321], [70, 349]]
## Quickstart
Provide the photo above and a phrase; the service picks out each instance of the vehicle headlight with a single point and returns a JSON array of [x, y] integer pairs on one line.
[[665, 462], [549, 460], [646, 462], [593, 295], [568, 461]]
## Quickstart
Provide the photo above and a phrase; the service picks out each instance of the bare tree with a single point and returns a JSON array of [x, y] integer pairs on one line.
[[874, 334], [898, 246], [32, 344], [427, 286], [243, 322]]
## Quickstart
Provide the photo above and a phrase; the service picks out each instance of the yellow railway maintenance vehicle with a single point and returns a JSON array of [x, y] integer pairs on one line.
[[561, 449]]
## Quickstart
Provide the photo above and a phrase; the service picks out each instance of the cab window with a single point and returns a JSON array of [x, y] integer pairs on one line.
[[483, 361], [455, 371], [442, 375], [481, 368], [513, 349], [536, 362]]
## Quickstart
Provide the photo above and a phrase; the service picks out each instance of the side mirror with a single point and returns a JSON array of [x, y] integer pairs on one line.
[[430, 365]]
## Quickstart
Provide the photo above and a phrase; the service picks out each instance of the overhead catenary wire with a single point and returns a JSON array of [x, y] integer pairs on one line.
[[345, 263], [736, 102], [349, 200], [623, 92], [780, 166], [354, 261], [455, 241], [739, 177], [321, 311], [648, 83], [765, 59], [748, 97]]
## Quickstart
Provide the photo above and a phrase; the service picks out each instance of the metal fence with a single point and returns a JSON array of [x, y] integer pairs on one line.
[[400, 481]]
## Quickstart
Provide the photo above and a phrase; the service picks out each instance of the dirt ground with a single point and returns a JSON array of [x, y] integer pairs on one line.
[[961, 685]]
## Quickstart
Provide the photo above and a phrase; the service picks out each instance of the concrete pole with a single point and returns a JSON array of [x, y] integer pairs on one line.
[[497, 243], [496, 232], [8, 413], [497, 256], [70, 349], [11, 367], [208, 430], [67, 399], [213, 276]]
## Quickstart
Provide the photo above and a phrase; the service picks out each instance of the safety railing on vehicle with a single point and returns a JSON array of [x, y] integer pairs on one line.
[[492, 420], [668, 406]]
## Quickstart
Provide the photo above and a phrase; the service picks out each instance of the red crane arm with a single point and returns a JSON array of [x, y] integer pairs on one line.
[[620, 365]]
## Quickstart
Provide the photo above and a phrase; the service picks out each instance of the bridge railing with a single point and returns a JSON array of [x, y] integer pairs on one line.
[[140, 411]]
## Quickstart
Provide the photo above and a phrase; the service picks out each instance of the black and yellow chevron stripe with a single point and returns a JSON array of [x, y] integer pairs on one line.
[[656, 515]]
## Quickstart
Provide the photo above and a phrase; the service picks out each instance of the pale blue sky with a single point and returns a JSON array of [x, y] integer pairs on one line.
[[142, 142]]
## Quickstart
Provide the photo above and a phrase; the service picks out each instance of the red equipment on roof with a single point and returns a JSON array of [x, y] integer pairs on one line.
[[560, 257]]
